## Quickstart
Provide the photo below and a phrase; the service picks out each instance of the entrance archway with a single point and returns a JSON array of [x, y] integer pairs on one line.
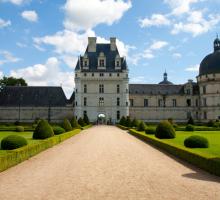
[[101, 118]]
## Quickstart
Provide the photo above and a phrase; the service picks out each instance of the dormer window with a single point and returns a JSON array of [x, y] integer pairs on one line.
[[117, 62], [85, 62], [101, 61]]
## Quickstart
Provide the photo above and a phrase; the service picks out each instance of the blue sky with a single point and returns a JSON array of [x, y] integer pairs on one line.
[[40, 40]]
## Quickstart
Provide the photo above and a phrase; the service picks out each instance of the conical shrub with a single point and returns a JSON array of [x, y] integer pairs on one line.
[[66, 125], [74, 123], [43, 130]]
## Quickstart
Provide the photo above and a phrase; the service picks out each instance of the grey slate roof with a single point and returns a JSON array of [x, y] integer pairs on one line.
[[110, 59], [165, 82], [32, 96], [155, 89]]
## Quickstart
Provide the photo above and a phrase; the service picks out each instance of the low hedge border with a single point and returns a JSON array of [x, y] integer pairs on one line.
[[122, 127], [86, 127], [210, 164], [13, 157]]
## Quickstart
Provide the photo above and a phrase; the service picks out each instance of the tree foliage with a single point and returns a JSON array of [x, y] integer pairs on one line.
[[12, 81]]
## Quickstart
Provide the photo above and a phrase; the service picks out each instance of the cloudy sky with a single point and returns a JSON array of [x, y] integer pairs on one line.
[[40, 40]]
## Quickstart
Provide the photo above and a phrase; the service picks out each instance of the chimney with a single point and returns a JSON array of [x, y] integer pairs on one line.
[[113, 43], [91, 44]]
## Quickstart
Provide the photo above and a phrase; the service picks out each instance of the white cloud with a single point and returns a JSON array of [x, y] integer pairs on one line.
[[194, 68], [16, 2], [158, 45], [155, 20], [4, 23], [21, 45], [196, 24], [30, 15], [177, 55], [7, 57], [84, 14], [48, 74], [138, 79], [180, 7]]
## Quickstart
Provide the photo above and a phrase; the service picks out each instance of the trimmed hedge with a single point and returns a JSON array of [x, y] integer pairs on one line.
[[16, 156], [13, 142], [150, 131], [196, 141], [210, 164], [189, 127], [43, 130], [165, 130], [122, 127], [58, 130], [19, 129]]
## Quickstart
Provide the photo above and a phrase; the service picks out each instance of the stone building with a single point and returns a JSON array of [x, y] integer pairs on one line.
[[102, 90]]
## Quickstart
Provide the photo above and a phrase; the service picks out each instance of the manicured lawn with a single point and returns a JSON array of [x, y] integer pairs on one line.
[[27, 135], [212, 136]]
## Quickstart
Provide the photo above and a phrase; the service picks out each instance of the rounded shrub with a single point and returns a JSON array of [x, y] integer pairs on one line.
[[210, 123], [66, 125], [128, 122], [81, 122], [151, 131], [165, 130], [191, 121], [43, 130], [58, 130], [189, 127], [196, 141], [141, 126], [19, 129], [13, 142]]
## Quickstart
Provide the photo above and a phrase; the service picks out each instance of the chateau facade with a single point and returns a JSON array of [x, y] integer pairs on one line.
[[102, 90]]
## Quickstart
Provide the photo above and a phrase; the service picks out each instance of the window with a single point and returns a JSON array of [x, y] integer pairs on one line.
[[160, 102], [131, 102], [85, 88], [101, 74], [118, 115], [101, 88], [85, 63], [76, 90], [101, 63], [92, 74], [84, 113], [197, 102], [75, 75], [85, 74], [204, 89], [101, 101], [204, 102], [118, 101], [145, 102], [126, 103], [85, 101], [117, 63], [189, 115], [118, 89], [188, 91], [174, 102], [76, 103], [110, 74], [118, 74], [188, 102], [197, 115], [205, 115]]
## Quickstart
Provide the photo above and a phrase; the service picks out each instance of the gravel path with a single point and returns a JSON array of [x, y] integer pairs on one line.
[[106, 163]]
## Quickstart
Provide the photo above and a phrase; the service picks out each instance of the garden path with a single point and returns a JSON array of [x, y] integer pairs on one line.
[[105, 162]]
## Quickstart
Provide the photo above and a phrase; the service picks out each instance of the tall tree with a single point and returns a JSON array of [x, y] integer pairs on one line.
[[12, 81]]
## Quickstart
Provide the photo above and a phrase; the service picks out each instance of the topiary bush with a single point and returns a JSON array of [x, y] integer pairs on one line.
[[13, 142], [128, 122], [74, 123], [165, 130], [19, 129], [58, 130], [216, 125], [191, 121], [210, 123], [189, 127], [86, 119], [196, 141], [17, 123], [141, 126], [122, 121], [151, 131], [81, 122], [134, 123], [66, 125], [43, 130]]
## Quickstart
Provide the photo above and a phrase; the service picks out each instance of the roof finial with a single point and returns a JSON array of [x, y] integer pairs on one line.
[[217, 35]]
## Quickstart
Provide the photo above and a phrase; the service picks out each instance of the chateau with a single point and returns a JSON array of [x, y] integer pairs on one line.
[[102, 90]]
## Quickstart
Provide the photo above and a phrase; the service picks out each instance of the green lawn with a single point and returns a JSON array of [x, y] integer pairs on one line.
[[212, 136], [27, 135]]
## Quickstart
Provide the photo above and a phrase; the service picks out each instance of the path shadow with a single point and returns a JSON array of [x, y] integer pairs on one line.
[[202, 177]]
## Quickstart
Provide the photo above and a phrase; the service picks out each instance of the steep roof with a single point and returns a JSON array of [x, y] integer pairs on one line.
[[110, 59], [155, 89], [32, 96]]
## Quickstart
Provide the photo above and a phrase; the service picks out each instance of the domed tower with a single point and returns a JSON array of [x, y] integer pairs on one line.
[[209, 84], [165, 80]]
